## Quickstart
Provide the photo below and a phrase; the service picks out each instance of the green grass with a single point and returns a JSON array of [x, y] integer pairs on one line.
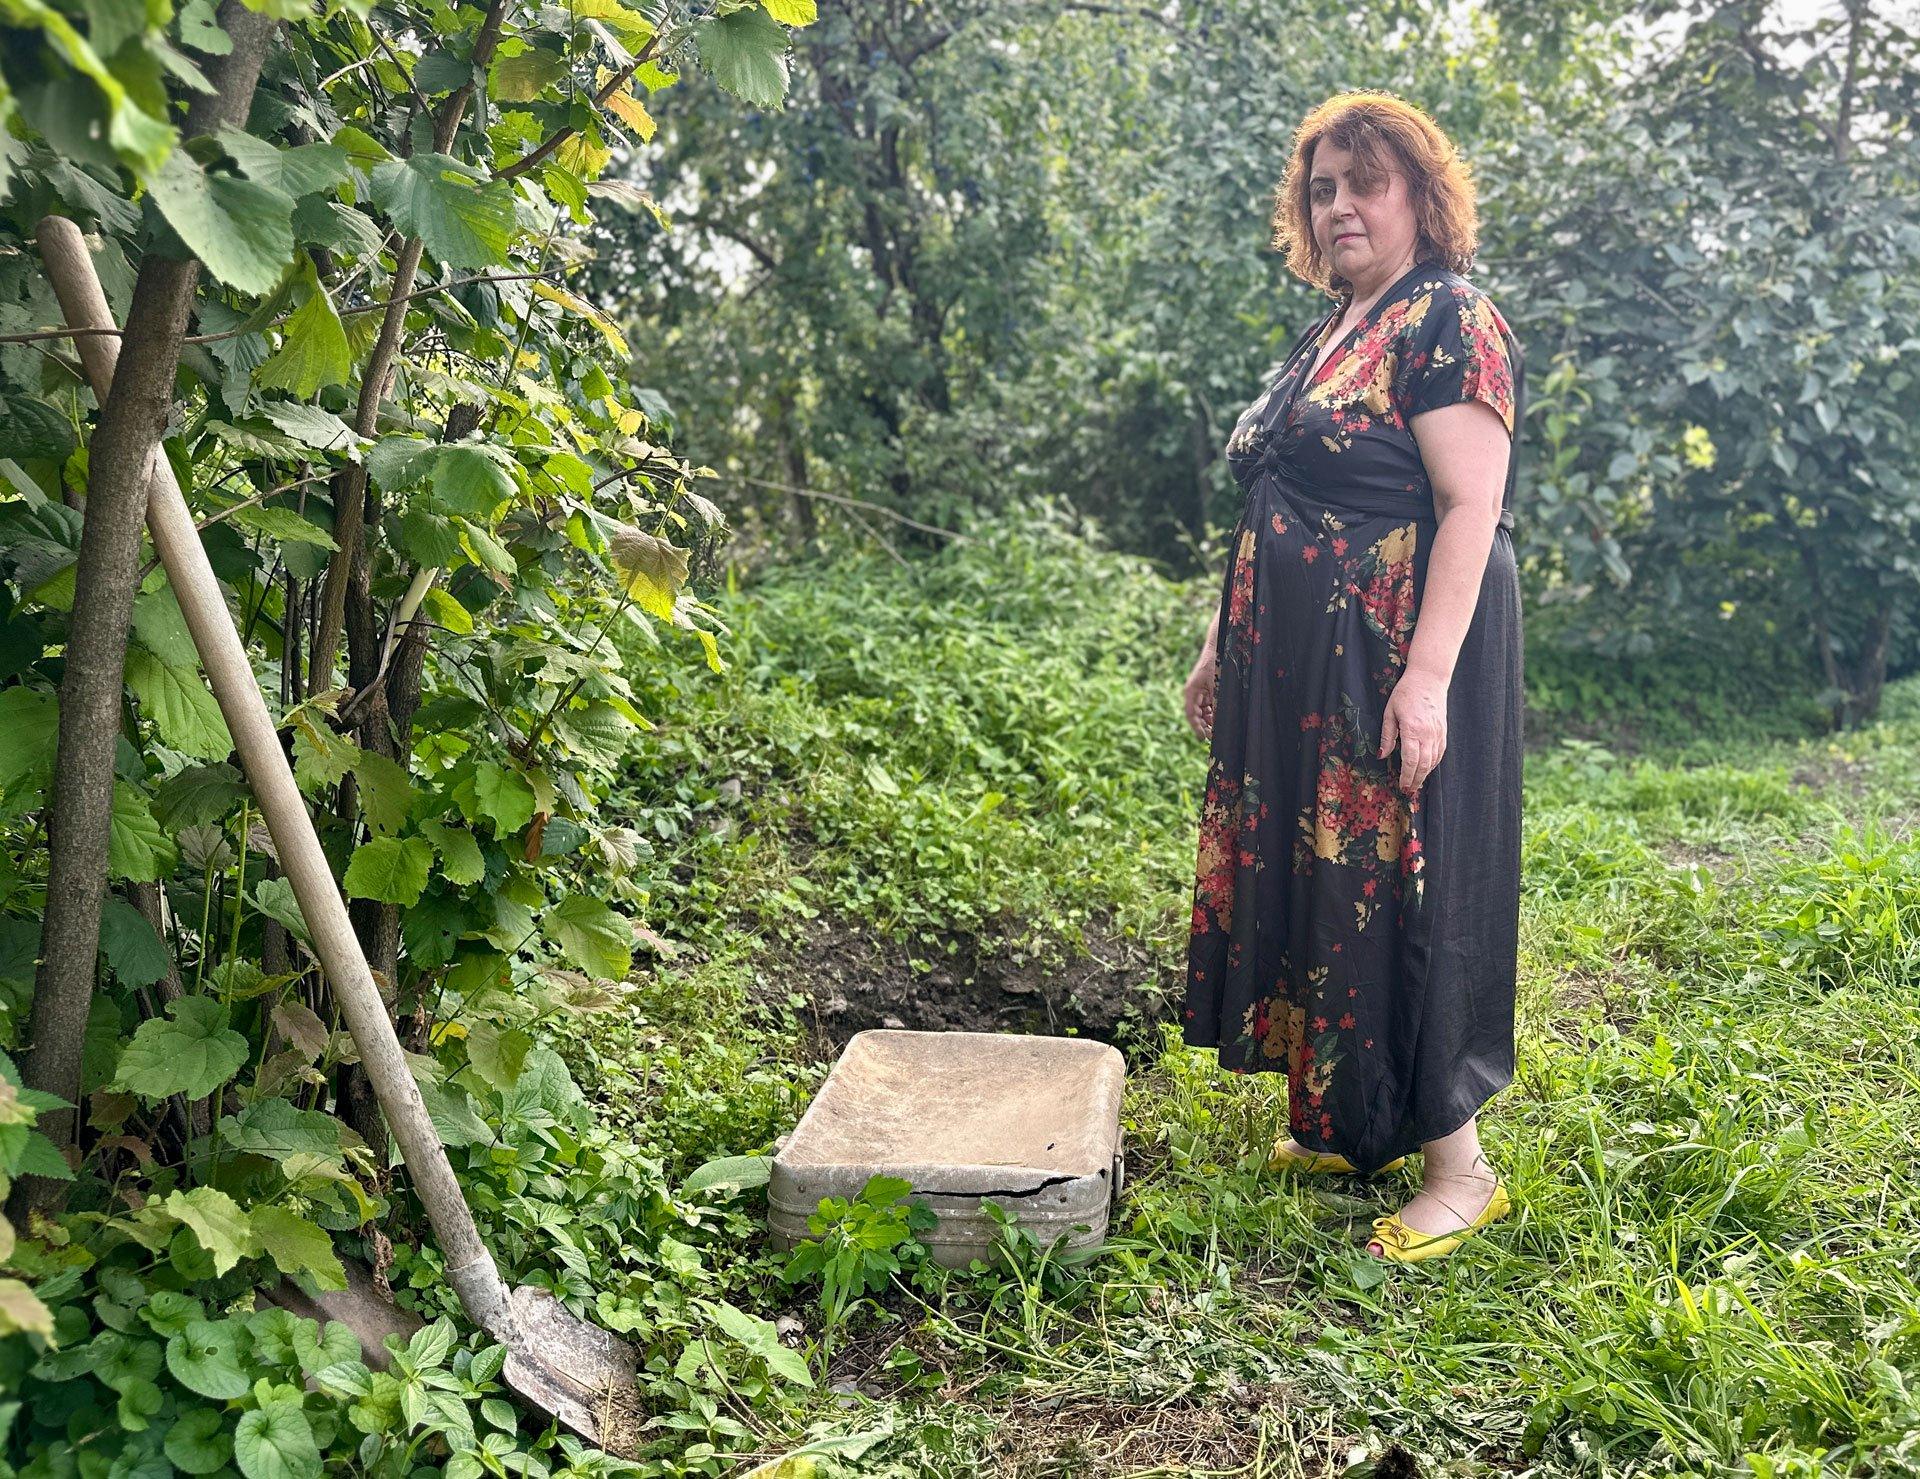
[[1713, 1141]]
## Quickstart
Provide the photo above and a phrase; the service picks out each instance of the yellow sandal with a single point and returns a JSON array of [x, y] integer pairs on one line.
[[1402, 1244], [1282, 1159]]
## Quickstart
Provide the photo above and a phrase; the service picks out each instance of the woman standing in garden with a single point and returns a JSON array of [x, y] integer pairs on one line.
[[1356, 909]]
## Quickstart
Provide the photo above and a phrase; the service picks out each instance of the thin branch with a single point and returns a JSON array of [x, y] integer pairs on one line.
[[612, 85], [351, 489], [405, 75], [333, 77], [375, 306], [39, 334], [734, 234], [844, 499], [880, 539]]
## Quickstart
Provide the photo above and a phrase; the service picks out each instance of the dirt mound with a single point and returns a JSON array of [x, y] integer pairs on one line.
[[853, 979]]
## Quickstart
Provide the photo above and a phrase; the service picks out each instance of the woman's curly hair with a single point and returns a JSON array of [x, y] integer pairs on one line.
[[1382, 132]]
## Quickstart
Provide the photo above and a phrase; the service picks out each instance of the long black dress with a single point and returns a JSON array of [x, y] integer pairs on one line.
[[1360, 940]]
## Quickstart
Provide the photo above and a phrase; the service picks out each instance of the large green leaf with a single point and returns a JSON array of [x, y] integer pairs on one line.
[[137, 850], [198, 796], [472, 479], [298, 1246], [275, 1441], [451, 1109], [730, 1173], [747, 54], [197, 1443], [219, 1223], [29, 731], [141, 139], [312, 426], [293, 172], [762, 1339], [33, 428], [242, 231], [162, 626], [464, 219], [502, 796], [133, 950], [523, 76], [386, 792], [276, 1128], [460, 861], [397, 462], [177, 701], [390, 869], [591, 935], [208, 1357], [284, 525], [191, 1052], [313, 348]]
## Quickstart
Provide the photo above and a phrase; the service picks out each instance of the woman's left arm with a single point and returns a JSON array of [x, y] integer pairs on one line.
[[1465, 448]]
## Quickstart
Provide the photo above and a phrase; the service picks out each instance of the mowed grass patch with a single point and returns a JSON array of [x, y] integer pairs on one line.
[[1711, 1140]]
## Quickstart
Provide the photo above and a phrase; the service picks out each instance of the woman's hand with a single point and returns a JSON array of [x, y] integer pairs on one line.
[[1416, 717], [1199, 693]]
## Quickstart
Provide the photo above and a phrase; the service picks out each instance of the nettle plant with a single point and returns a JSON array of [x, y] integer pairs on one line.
[[344, 243]]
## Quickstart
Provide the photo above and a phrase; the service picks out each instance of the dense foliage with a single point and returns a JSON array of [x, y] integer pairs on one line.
[[440, 512], [1005, 249]]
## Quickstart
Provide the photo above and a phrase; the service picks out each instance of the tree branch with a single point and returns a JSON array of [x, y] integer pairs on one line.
[[350, 489], [612, 85]]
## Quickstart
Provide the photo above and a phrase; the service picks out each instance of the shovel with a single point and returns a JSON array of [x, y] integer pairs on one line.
[[563, 1366]]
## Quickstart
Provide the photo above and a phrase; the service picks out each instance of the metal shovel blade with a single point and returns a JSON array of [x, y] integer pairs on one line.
[[579, 1373]]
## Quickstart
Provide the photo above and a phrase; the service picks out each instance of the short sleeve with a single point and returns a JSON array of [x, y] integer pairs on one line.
[[1459, 352]]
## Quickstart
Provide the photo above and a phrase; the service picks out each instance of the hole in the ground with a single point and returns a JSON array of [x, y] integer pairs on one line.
[[853, 980]]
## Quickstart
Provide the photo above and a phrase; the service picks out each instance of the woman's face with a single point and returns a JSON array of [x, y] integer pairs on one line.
[[1363, 226]]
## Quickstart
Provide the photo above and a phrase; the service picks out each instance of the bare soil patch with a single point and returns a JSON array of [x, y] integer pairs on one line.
[[853, 979]]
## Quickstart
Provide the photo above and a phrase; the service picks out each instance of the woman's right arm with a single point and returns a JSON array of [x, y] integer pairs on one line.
[[1200, 682]]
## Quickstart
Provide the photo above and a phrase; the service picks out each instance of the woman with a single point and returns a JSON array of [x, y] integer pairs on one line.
[[1356, 909]]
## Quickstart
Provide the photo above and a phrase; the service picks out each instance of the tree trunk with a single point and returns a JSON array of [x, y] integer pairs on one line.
[[125, 443]]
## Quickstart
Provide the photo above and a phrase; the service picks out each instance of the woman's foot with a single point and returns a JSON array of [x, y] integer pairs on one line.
[[1457, 1189], [1449, 1201], [1290, 1154]]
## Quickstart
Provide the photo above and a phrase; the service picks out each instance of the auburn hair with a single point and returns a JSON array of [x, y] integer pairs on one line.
[[1382, 132]]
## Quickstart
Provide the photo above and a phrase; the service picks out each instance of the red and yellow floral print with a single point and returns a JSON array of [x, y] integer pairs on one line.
[[1228, 817], [1358, 816]]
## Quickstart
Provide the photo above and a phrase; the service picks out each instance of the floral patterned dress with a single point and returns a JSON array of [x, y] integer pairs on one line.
[[1357, 939]]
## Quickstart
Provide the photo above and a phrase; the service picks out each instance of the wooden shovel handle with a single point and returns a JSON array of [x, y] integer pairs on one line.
[[470, 1267]]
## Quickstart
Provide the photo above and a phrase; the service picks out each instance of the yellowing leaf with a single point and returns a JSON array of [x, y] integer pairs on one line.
[[582, 156], [609, 330], [651, 570], [524, 76], [630, 23], [217, 1222], [793, 12], [298, 1246], [21, 1311], [632, 112]]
